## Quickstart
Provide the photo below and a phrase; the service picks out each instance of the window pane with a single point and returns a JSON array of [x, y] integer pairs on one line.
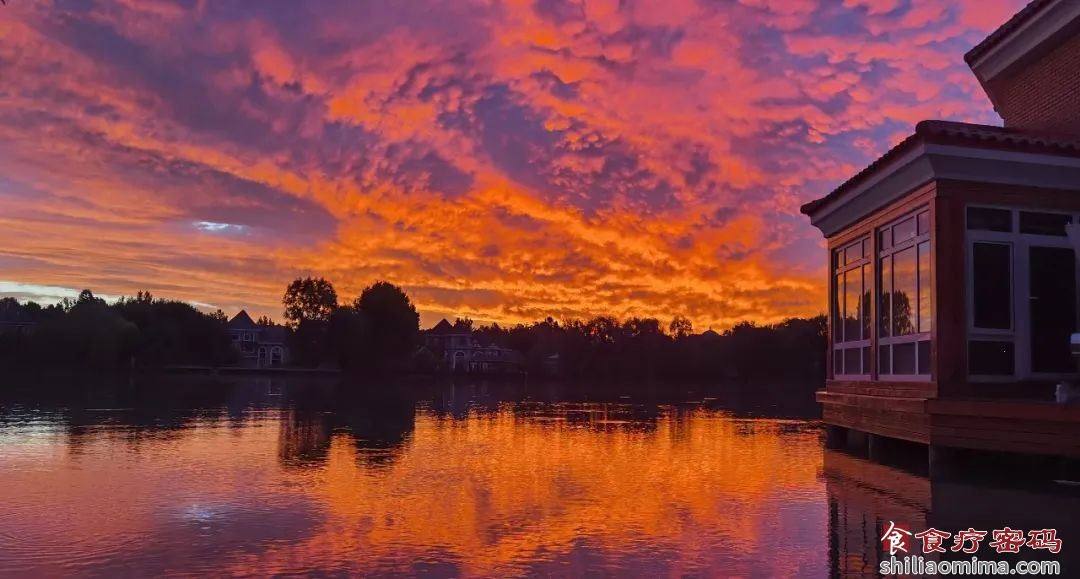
[[986, 358], [989, 219], [992, 281], [1044, 223], [904, 293], [865, 247], [864, 303], [904, 231], [853, 291], [924, 222], [924, 357], [924, 287], [852, 357], [838, 362], [885, 305], [884, 359], [866, 360], [904, 358], [838, 310], [853, 253], [885, 238]]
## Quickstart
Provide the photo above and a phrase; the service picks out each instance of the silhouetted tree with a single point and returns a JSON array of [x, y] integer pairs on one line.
[[349, 337], [604, 348], [680, 327], [311, 299], [173, 332], [392, 322], [90, 334]]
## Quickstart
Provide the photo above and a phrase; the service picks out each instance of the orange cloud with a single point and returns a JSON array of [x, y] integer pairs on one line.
[[532, 159]]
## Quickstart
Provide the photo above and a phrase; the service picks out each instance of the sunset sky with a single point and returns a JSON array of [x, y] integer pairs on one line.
[[503, 160]]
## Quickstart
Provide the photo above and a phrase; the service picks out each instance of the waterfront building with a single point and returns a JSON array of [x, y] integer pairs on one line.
[[952, 281]]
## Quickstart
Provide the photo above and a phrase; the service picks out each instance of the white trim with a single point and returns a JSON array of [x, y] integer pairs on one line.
[[930, 162]]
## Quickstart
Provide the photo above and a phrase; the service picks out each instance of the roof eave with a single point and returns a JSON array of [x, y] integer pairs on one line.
[[938, 159], [1038, 27]]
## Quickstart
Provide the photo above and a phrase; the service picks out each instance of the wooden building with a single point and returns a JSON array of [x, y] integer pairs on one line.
[[953, 286]]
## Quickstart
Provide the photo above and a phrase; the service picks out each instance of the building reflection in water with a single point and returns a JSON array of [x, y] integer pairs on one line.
[[864, 497]]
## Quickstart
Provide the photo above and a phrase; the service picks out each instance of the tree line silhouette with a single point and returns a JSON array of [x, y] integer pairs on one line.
[[87, 332], [378, 333]]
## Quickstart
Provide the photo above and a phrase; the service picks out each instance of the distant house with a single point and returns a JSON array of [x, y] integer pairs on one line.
[[258, 346], [461, 351]]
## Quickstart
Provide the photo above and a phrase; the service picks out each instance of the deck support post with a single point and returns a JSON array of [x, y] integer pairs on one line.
[[835, 436], [857, 442], [876, 448], [943, 462]]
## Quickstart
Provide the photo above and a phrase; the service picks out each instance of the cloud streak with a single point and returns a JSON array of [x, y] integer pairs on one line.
[[500, 159]]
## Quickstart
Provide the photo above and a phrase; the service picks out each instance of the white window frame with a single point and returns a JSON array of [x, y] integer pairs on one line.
[[838, 348], [1020, 285], [916, 337]]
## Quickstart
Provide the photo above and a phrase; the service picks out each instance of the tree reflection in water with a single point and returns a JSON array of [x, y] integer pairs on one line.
[[263, 477]]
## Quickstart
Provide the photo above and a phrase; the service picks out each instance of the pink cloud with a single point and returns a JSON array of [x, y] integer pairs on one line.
[[535, 158]]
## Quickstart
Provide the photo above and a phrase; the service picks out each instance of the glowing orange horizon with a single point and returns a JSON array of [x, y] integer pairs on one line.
[[505, 162]]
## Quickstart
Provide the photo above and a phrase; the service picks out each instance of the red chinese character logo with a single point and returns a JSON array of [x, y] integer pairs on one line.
[[1044, 539], [932, 539], [964, 537], [895, 539], [1007, 540]]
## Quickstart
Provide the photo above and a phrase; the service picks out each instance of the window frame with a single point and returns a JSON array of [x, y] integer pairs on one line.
[[1019, 334], [837, 269], [916, 337]]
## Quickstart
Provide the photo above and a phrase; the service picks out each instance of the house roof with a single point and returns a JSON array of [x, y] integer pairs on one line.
[[964, 134], [443, 327], [1018, 19], [242, 321]]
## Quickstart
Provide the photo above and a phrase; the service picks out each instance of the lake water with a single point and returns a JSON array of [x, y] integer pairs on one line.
[[262, 477]]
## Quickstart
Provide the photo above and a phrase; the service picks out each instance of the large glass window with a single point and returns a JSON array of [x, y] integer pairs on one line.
[[851, 309], [1022, 294], [904, 299]]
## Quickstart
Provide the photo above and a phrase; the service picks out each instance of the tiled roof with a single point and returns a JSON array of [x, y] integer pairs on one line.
[[1013, 23], [953, 133]]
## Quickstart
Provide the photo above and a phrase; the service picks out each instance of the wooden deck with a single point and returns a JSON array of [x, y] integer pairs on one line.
[[1005, 425]]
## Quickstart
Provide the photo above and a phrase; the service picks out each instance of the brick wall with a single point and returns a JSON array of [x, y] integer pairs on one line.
[[1043, 95]]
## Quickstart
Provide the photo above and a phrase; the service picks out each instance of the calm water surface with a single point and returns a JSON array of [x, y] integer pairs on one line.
[[260, 477]]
